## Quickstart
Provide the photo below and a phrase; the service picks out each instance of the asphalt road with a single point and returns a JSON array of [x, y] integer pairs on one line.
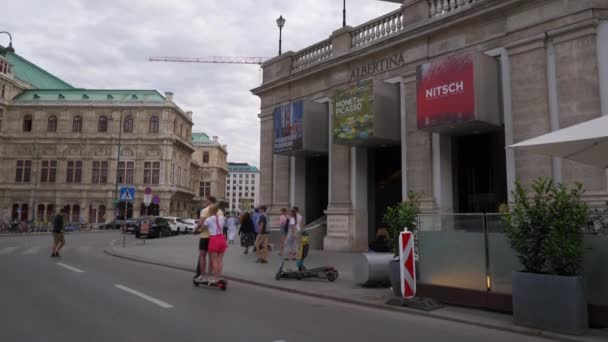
[[89, 296]]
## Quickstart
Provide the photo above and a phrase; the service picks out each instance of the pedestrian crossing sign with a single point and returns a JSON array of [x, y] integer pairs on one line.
[[127, 193]]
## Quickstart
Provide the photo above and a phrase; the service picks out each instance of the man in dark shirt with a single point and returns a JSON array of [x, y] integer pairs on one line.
[[58, 238], [262, 238]]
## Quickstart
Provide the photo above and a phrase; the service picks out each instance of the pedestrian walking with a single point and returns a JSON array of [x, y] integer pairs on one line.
[[217, 243], [284, 223], [292, 235], [58, 237], [246, 231], [256, 230], [261, 242], [233, 222]]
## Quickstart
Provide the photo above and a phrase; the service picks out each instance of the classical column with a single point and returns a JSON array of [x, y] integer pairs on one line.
[[578, 93], [339, 212], [529, 94]]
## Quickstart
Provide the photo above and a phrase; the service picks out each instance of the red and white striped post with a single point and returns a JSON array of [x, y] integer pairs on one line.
[[407, 264]]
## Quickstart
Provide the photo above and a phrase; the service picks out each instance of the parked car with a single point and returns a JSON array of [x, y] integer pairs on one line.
[[131, 224], [111, 225], [176, 225], [190, 225], [157, 227]]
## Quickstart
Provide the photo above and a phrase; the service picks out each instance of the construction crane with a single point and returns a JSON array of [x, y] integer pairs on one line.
[[213, 59]]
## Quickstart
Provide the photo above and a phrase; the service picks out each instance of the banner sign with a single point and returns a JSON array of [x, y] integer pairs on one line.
[[353, 113], [446, 91], [288, 127]]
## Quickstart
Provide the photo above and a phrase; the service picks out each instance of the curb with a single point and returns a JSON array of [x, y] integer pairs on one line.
[[512, 329], [49, 233]]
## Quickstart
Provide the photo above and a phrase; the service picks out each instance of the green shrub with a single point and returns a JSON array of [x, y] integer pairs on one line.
[[402, 215], [545, 227]]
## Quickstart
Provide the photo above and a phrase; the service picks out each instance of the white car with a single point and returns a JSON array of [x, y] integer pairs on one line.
[[190, 225], [177, 227]]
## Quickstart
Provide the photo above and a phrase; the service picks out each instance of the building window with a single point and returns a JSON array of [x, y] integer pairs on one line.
[[128, 125], [74, 172], [102, 124], [3, 91], [27, 123], [179, 175], [100, 172], [75, 213], [181, 130], [24, 171], [204, 189], [172, 173], [125, 174], [48, 171], [175, 126], [52, 124], [205, 157], [77, 124], [152, 173], [154, 124]]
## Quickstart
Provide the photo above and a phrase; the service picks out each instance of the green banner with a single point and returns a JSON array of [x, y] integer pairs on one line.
[[354, 113]]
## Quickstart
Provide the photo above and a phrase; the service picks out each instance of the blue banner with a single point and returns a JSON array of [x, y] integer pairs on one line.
[[288, 127]]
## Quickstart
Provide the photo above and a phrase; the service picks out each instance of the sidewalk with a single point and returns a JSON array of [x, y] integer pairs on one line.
[[3, 234], [181, 252]]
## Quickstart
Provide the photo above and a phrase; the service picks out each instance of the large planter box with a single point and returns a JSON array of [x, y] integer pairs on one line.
[[549, 302]]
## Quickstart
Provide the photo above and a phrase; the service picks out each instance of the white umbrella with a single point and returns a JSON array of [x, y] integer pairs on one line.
[[586, 142]]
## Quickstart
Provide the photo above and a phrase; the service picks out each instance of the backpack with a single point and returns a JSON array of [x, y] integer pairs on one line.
[[285, 226]]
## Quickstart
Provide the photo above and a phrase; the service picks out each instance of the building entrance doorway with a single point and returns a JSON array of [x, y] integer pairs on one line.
[[479, 172], [316, 187], [384, 184]]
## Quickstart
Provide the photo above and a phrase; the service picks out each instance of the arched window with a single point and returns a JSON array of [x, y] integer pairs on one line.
[[77, 124], [52, 124], [27, 123], [2, 91], [154, 124], [75, 213], [128, 125], [175, 126], [181, 131], [205, 157], [102, 124]]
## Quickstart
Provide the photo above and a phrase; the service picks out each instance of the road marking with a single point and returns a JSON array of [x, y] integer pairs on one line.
[[8, 250], [158, 302], [32, 250], [70, 267]]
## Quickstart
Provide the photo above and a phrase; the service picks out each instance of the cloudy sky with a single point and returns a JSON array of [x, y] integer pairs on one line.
[[106, 44]]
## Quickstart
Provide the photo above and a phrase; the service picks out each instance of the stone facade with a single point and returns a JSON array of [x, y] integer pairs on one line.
[[551, 76], [60, 148], [213, 160], [242, 187]]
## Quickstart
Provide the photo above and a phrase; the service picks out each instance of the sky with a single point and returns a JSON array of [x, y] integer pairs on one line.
[[106, 44]]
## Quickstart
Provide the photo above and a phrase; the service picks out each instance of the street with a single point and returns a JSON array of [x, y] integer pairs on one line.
[[88, 295]]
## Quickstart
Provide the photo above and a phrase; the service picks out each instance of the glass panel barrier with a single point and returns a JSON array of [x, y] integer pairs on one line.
[[452, 251]]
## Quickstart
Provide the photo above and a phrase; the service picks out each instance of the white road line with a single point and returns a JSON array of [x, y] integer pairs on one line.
[[70, 267], [32, 250], [158, 302], [8, 250]]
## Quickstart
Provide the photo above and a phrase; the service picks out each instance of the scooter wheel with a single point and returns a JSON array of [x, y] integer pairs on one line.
[[222, 285], [332, 276], [278, 276]]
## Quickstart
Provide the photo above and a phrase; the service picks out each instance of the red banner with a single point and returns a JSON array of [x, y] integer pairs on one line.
[[446, 91]]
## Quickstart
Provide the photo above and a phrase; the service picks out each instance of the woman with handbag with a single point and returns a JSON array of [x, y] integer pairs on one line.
[[246, 232]]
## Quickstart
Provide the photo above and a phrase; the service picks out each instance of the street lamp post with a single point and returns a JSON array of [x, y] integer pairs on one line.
[[280, 24], [344, 15]]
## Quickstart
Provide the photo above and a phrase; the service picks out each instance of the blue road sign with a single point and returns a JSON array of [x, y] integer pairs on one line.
[[127, 193]]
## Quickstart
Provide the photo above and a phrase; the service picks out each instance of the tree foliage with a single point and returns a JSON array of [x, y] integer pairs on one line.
[[545, 227], [402, 215]]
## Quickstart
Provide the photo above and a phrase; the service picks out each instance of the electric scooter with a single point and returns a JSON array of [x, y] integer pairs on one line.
[[222, 284]]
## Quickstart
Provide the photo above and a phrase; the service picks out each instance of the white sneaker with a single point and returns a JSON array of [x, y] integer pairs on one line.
[[201, 279]]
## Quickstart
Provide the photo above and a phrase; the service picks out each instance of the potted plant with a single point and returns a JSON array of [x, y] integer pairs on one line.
[[545, 229], [397, 217]]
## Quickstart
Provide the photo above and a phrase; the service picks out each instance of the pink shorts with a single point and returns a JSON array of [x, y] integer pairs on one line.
[[217, 244]]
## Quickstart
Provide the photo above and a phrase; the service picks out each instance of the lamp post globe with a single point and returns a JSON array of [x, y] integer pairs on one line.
[[280, 23]]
